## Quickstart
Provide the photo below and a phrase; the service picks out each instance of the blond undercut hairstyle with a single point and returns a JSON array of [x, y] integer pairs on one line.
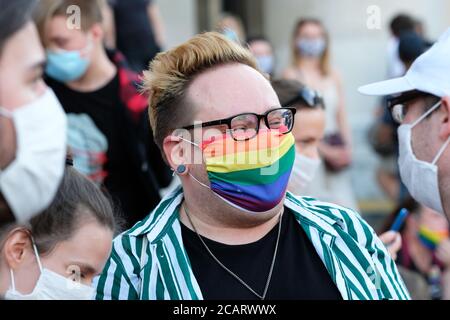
[[170, 73]]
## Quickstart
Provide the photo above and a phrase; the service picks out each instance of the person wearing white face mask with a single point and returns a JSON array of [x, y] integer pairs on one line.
[[420, 101], [308, 130], [32, 122], [52, 257]]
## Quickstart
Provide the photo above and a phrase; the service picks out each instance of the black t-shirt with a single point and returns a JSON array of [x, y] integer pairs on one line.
[[299, 273], [120, 161], [135, 36]]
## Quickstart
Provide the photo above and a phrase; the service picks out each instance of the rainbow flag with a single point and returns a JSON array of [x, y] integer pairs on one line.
[[430, 238], [251, 174]]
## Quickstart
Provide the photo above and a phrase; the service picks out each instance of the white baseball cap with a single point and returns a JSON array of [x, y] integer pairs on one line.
[[429, 73]]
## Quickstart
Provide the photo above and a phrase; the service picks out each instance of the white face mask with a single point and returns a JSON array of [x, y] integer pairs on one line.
[[30, 182], [51, 286], [420, 177], [303, 173]]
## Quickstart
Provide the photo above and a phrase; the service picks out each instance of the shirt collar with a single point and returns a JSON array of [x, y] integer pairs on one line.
[[309, 213], [157, 224], [161, 217]]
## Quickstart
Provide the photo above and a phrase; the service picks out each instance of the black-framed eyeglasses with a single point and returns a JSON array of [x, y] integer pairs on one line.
[[398, 105], [307, 97], [245, 126]]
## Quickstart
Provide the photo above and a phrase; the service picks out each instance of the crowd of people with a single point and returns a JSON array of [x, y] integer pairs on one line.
[[200, 173]]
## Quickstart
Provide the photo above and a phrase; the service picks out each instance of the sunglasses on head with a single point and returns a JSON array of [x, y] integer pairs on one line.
[[307, 97]]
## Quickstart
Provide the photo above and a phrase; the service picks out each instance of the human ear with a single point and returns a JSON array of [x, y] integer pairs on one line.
[[444, 131], [17, 248], [97, 32], [177, 153]]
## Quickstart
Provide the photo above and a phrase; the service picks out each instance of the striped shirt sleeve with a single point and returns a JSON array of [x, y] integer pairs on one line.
[[119, 281], [388, 280]]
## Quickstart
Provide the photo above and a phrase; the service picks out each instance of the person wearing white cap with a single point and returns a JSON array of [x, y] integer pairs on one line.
[[420, 101]]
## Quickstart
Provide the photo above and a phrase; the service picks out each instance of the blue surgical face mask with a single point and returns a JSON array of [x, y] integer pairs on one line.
[[265, 64], [66, 66], [311, 47], [231, 35]]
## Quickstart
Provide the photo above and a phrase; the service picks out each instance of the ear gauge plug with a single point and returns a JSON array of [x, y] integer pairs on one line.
[[181, 169]]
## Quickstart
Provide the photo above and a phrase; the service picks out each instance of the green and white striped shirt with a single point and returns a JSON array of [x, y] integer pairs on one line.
[[150, 262]]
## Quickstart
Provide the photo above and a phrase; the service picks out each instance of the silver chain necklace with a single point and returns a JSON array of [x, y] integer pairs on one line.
[[269, 278]]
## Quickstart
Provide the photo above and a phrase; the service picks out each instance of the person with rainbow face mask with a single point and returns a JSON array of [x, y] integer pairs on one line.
[[231, 230]]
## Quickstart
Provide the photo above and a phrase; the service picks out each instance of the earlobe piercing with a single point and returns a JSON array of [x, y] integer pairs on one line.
[[181, 169]]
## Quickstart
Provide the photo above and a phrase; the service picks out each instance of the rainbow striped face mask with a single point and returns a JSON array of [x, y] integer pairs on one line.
[[250, 175]]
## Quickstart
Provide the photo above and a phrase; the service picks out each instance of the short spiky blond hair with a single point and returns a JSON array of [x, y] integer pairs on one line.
[[170, 73]]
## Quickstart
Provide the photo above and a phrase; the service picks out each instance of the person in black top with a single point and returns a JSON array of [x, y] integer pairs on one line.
[[214, 115], [134, 27], [106, 113], [298, 273]]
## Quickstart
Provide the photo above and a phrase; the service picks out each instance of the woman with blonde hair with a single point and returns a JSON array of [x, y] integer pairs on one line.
[[311, 66]]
